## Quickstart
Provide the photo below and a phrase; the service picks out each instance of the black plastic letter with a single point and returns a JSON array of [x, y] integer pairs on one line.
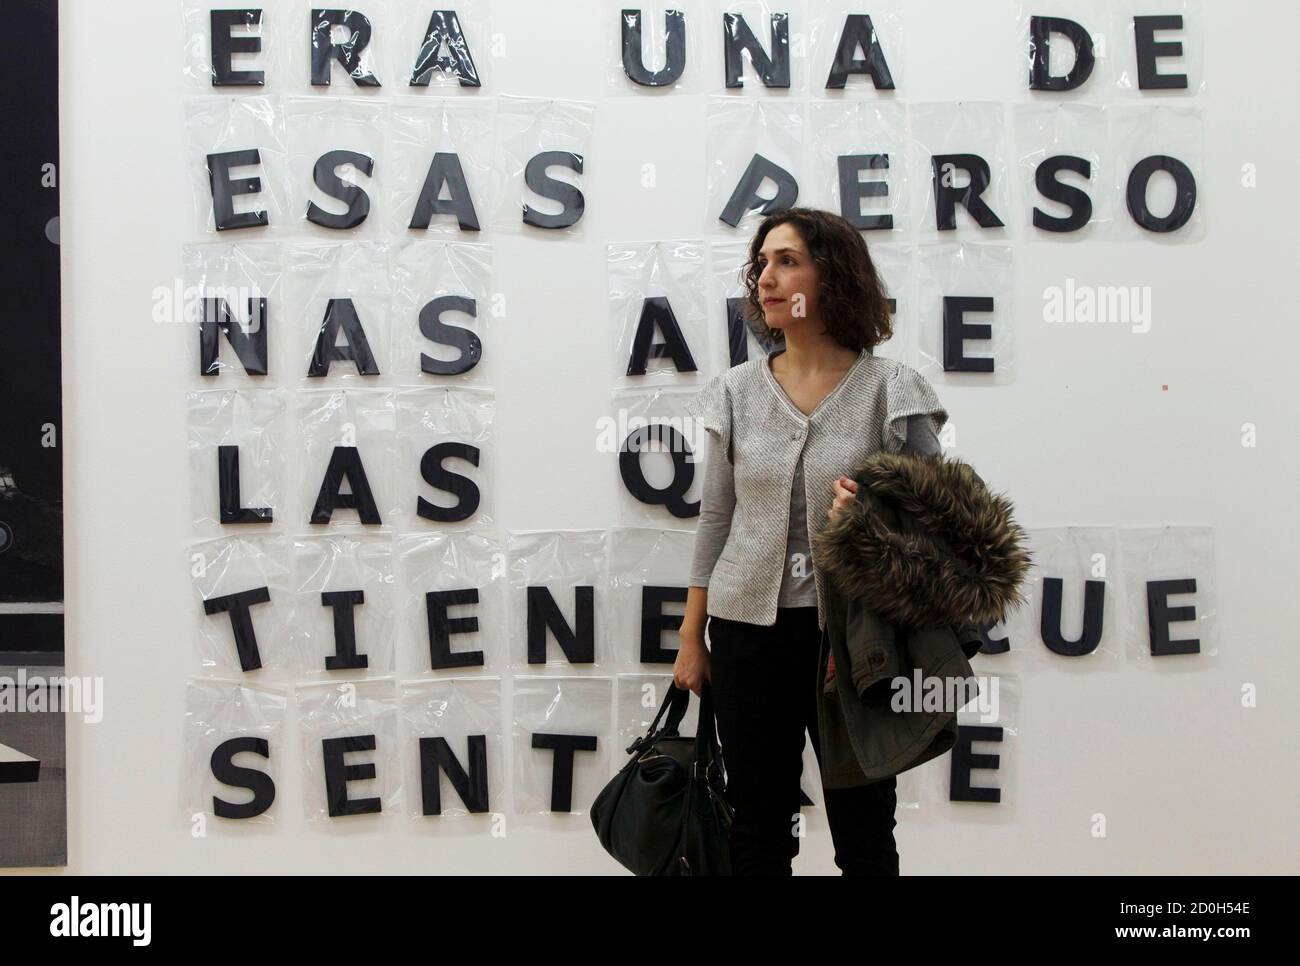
[[227, 772], [445, 169], [1160, 615], [1040, 31], [567, 195], [435, 330], [629, 468], [1094, 613], [248, 341], [562, 764], [654, 622], [241, 622], [1076, 200], [342, 314], [736, 36], [348, 53], [224, 46], [442, 626], [224, 189], [852, 191], [228, 490], [746, 194], [436, 475], [444, 28], [956, 330], [947, 197], [1184, 193], [964, 760], [337, 775], [436, 754], [345, 463], [355, 198], [674, 49], [578, 645], [1149, 50], [657, 313], [859, 33], [345, 656]]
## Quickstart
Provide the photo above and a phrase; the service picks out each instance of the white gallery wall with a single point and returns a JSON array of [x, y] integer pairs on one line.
[[1118, 765]]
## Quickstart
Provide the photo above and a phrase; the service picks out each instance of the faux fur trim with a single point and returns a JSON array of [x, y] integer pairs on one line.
[[966, 564]]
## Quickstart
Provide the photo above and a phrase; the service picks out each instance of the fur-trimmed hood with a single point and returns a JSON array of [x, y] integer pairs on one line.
[[925, 543]]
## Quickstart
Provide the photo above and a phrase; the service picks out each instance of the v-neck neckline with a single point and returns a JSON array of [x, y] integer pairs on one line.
[[772, 381]]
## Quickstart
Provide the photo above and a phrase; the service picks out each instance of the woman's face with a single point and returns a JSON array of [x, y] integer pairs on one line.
[[788, 282]]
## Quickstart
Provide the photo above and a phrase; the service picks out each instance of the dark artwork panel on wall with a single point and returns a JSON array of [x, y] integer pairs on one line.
[[33, 819]]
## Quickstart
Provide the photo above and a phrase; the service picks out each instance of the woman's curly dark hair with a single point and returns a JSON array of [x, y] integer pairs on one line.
[[853, 303]]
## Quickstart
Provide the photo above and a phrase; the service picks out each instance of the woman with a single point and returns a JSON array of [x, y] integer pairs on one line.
[[784, 430]]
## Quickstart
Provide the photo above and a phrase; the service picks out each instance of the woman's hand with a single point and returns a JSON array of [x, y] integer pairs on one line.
[[845, 491], [691, 669]]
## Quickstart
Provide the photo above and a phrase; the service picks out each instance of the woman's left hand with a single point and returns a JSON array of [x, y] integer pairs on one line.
[[846, 491]]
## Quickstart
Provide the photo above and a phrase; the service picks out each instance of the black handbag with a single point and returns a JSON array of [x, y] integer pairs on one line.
[[665, 812]]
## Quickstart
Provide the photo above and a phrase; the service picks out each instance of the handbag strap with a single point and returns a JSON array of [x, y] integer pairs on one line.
[[707, 750], [675, 702]]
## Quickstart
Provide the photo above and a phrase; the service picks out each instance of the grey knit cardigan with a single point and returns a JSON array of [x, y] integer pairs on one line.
[[748, 414]]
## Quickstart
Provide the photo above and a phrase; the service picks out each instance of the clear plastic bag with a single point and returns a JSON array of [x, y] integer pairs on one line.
[[243, 605], [861, 158], [855, 52], [436, 148], [759, 49], [454, 602], [234, 747], [346, 605], [347, 467], [239, 166], [741, 339], [237, 458], [750, 143], [231, 303], [337, 166], [1068, 51], [1051, 140], [660, 477], [1076, 579], [976, 284], [647, 593], [339, 313], [1161, 148], [246, 53], [649, 49], [447, 459], [980, 778], [443, 299], [637, 699], [351, 751], [961, 175], [1177, 49], [462, 718], [348, 52], [442, 50], [656, 304], [1173, 595], [541, 144], [556, 604], [896, 266], [560, 743]]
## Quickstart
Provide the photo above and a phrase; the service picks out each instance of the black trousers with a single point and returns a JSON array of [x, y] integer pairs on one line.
[[764, 698]]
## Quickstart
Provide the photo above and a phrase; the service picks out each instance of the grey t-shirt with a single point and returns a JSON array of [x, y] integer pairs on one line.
[[718, 500]]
